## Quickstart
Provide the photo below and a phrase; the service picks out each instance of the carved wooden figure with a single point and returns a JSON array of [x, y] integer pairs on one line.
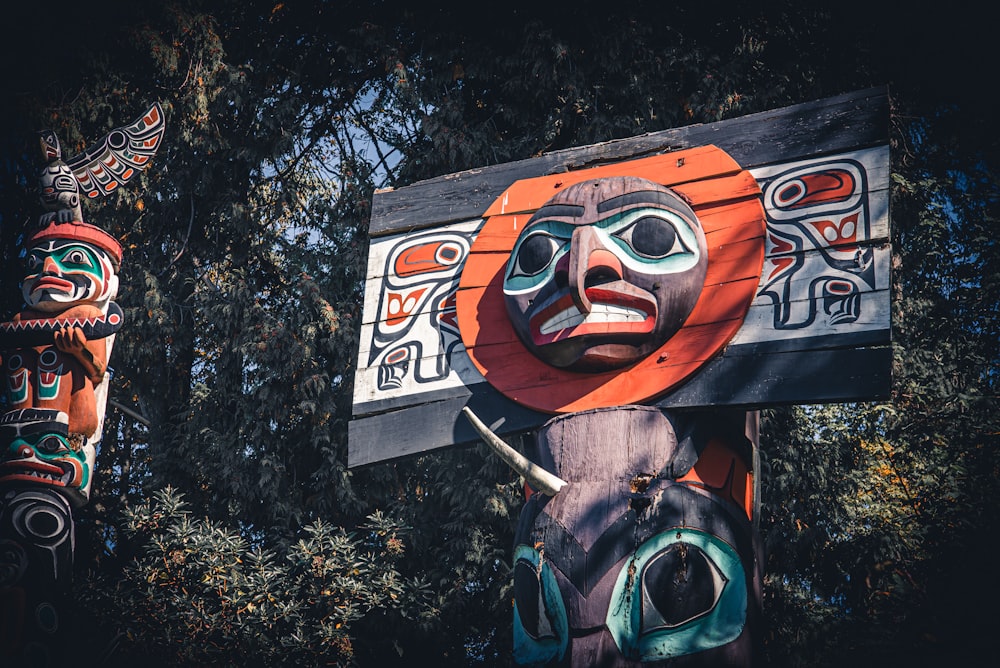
[[627, 303], [54, 359], [637, 559]]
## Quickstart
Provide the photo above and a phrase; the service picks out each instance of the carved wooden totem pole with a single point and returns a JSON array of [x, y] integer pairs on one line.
[[628, 304], [54, 354]]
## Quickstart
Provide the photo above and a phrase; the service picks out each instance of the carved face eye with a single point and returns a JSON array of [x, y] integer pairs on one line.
[[679, 585], [76, 258], [34, 262], [534, 254], [50, 445], [541, 629], [683, 591], [652, 237]]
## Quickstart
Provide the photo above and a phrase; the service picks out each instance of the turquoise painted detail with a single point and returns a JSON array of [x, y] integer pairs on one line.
[[69, 258], [613, 233], [17, 385], [632, 621], [552, 639], [52, 449], [49, 389]]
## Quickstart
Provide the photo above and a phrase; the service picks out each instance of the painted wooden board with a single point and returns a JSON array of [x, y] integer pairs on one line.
[[830, 125], [815, 328]]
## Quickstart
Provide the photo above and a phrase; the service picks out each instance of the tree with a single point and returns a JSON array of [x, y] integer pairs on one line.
[[245, 249]]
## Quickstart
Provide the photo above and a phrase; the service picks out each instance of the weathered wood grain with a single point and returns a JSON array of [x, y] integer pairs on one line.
[[841, 123], [734, 380]]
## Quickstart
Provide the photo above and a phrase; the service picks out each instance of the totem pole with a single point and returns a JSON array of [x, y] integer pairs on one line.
[[54, 354], [628, 306]]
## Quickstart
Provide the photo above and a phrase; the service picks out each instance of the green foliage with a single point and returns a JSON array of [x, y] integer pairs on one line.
[[199, 594], [245, 247], [880, 521]]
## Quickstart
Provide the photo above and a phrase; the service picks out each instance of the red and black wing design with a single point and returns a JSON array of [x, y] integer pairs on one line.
[[125, 151]]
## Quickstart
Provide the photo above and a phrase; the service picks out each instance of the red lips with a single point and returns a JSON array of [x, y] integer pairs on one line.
[[53, 283], [617, 308]]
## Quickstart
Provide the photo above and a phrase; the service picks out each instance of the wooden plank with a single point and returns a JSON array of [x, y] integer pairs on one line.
[[746, 381], [421, 378], [758, 325], [368, 399], [825, 376], [433, 425], [842, 123], [676, 170]]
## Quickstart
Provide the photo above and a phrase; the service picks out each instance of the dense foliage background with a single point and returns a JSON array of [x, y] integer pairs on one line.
[[225, 528]]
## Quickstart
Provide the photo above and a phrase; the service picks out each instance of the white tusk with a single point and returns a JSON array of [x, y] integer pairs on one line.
[[539, 479]]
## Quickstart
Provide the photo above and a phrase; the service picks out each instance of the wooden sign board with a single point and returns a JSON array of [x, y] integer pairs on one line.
[[795, 304]]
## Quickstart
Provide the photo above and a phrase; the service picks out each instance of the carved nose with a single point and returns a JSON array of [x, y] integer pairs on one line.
[[590, 263], [50, 266]]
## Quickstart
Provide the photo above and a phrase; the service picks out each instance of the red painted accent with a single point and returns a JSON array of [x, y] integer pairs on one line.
[[836, 234], [827, 187], [446, 312], [780, 265], [420, 259], [722, 471], [726, 199], [780, 245], [596, 296], [398, 356], [401, 312], [53, 282], [78, 231]]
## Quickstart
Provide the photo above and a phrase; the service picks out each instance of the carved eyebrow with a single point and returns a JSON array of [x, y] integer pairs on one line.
[[567, 210], [641, 197]]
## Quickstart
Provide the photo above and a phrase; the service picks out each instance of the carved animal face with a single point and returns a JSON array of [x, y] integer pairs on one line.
[[58, 187], [647, 554], [45, 459], [63, 273], [604, 273], [40, 453]]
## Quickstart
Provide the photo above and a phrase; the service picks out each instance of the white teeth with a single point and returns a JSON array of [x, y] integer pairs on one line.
[[599, 313], [40, 475]]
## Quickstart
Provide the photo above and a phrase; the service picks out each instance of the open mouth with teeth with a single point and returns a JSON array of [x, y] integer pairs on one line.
[[614, 313], [64, 475]]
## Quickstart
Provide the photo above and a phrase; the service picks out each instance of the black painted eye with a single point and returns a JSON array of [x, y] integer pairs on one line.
[[534, 254], [679, 585], [541, 630], [33, 261], [652, 237], [530, 605], [77, 257], [50, 445]]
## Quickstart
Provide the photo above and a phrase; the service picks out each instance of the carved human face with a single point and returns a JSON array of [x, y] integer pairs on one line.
[[604, 273], [63, 272]]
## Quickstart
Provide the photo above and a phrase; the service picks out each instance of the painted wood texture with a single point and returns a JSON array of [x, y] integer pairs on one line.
[[817, 327], [831, 125], [725, 198]]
